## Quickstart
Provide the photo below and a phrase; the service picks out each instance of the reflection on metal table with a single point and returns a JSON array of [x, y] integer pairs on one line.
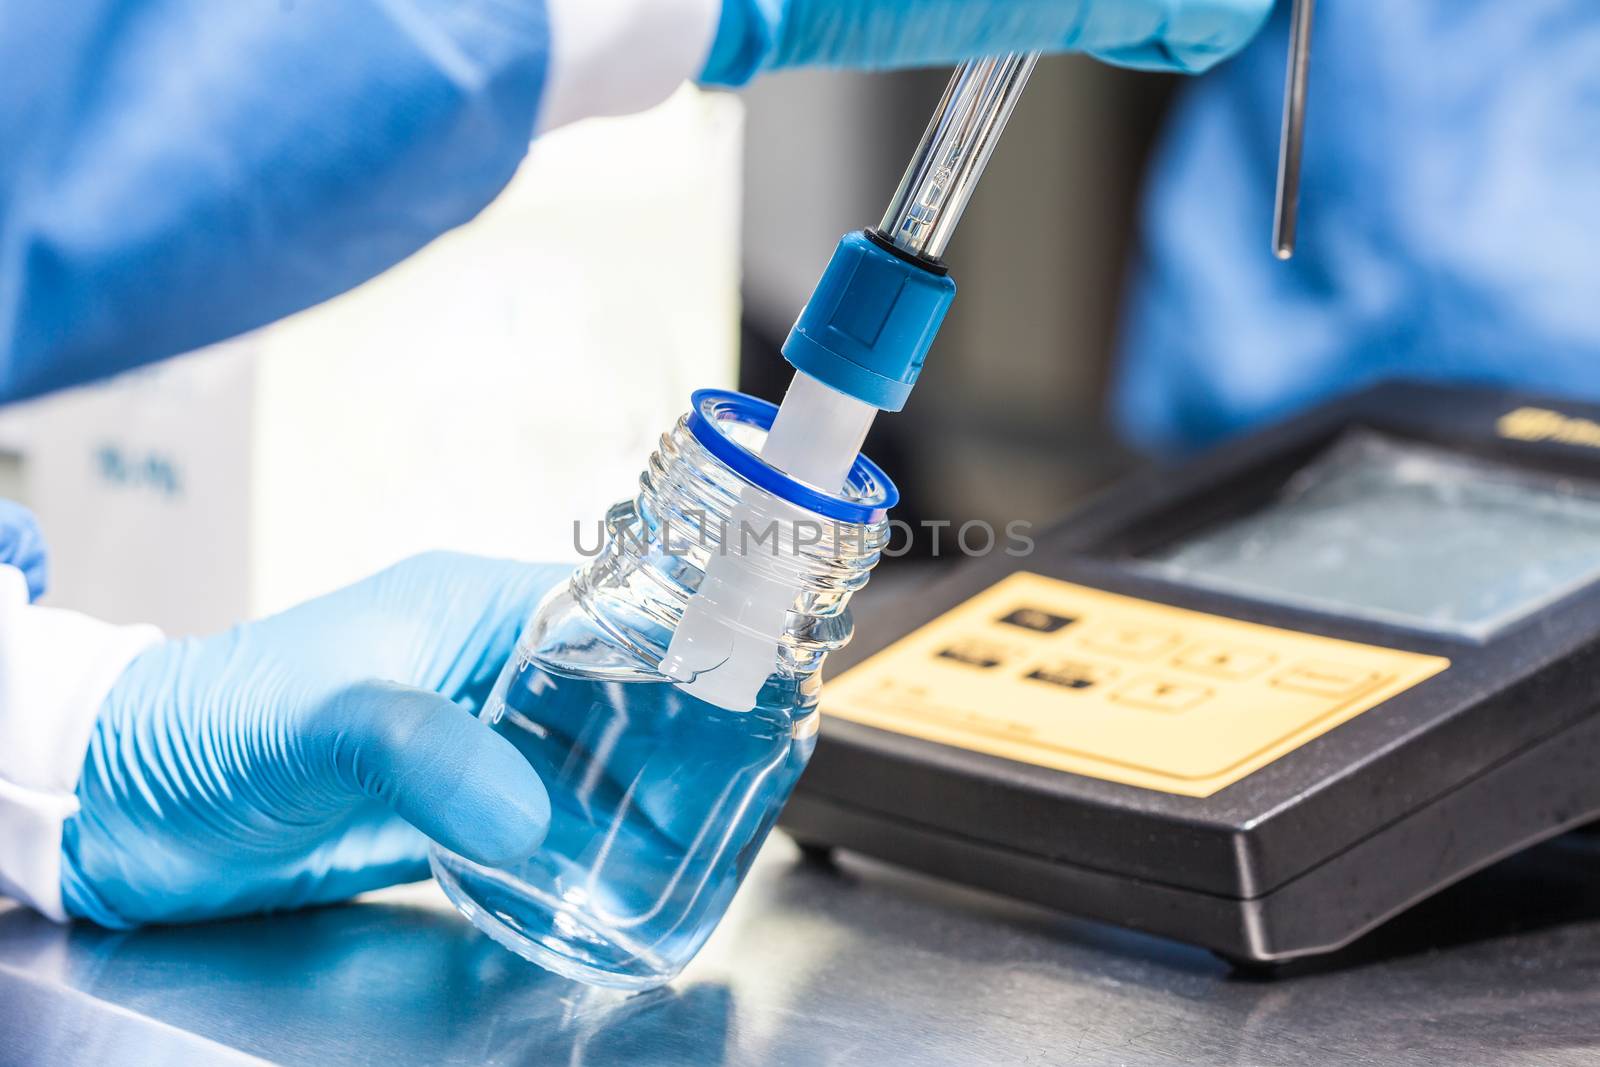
[[851, 963]]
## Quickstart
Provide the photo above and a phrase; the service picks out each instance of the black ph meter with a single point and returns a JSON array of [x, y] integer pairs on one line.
[[1260, 702]]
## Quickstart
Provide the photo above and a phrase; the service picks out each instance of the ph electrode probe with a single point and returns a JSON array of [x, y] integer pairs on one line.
[[860, 342]]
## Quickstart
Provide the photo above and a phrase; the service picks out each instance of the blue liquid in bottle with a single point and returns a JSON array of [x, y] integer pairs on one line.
[[659, 803], [660, 799]]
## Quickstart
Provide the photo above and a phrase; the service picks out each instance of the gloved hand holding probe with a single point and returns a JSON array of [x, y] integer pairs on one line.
[[339, 138], [1175, 35]]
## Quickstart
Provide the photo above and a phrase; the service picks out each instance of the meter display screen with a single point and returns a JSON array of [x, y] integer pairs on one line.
[[1406, 534]]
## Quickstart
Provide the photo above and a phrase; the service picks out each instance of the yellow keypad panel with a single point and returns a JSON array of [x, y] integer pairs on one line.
[[1059, 675]]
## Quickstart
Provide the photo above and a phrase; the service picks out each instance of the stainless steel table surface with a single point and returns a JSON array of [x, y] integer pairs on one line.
[[851, 963]]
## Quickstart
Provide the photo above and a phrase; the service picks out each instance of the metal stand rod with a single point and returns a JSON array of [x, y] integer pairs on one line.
[[1287, 211]]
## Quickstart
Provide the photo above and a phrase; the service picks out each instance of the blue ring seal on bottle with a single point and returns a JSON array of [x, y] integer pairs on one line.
[[869, 492]]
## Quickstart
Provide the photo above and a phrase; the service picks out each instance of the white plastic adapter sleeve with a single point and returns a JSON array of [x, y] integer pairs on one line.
[[726, 644], [817, 433], [56, 667], [617, 57]]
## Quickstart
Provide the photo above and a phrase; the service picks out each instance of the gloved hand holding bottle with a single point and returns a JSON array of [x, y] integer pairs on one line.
[[294, 760]]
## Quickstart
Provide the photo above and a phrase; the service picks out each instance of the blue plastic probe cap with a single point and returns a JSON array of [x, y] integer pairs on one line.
[[870, 322]]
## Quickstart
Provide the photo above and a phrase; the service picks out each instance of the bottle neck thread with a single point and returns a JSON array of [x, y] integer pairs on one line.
[[691, 506]]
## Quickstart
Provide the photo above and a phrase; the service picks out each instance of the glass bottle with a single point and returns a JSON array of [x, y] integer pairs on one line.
[[660, 798]]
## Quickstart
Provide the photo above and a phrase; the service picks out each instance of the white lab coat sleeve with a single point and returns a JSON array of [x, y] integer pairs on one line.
[[56, 667], [615, 57]]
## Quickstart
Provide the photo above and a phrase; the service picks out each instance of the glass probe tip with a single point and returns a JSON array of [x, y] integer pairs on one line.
[[1287, 211]]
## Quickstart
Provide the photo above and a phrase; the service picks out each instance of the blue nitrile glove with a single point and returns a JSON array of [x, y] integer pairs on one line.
[[293, 760], [1178, 35], [22, 546]]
